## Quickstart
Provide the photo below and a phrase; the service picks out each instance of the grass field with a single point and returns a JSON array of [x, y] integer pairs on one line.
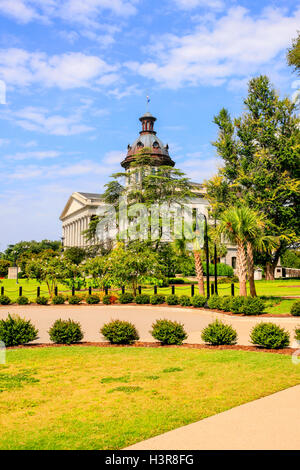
[[108, 398]]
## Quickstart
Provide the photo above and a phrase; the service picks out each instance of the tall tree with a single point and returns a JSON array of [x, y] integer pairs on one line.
[[260, 152], [293, 54]]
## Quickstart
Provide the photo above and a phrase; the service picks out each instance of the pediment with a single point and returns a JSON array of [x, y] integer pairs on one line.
[[73, 205]]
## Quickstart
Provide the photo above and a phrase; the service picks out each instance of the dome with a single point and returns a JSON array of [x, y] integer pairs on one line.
[[154, 147]]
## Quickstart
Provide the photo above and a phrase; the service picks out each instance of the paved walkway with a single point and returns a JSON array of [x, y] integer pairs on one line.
[[269, 423], [92, 317]]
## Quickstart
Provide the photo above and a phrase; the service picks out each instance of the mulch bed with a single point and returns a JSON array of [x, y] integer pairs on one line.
[[140, 344]]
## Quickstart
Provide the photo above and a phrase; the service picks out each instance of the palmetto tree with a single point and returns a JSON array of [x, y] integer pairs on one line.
[[243, 226]]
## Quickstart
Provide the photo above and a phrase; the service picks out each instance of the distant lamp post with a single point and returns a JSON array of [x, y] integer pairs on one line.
[[62, 244], [16, 266]]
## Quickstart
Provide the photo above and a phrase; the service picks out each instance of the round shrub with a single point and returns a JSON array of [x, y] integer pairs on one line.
[[142, 299], [120, 332], [185, 301], [74, 300], [214, 301], [4, 300], [58, 300], [225, 303], [168, 332], [270, 336], [176, 280], [41, 300], [218, 333], [16, 330], [253, 306], [295, 309], [92, 299], [172, 300], [297, 334], [198, 301], [22, 300], [126, 298], [65, 332], [109, 299], [157, 299], [237, 304]]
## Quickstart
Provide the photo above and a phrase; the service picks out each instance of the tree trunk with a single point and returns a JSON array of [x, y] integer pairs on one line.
[[250, 261], [270, 271], [242, 269], [199, 272]]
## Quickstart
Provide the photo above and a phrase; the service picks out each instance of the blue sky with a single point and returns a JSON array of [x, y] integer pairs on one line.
[[77, 74]]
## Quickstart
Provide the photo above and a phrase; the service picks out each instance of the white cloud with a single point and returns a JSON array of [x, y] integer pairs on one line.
[[85, 12], [114, 156], [66, 71], [39, 120], [4, 142], [234, 45], [39, 155], [191, 4]]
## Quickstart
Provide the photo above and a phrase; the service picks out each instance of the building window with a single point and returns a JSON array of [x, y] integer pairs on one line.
[[233, 262]]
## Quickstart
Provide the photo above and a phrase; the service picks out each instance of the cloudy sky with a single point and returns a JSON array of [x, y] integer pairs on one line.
[[77, 74]]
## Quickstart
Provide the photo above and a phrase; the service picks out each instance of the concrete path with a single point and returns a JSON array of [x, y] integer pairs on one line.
[[92, 317], [269, 423]]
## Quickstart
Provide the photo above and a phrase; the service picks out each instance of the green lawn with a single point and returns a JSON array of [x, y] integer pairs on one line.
[[108, 398]]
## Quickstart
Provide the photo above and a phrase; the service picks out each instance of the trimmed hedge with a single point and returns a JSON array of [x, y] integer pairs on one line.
[[218, 333], [58, 300], [198, 301], [92, 299], [297, 334], [4, 300], [168, 332], [120, 332], [253, 306], [16, 330], [41, 300], [172, 300], [126, 298], [176, 280], [270, 336], [157, 299], [142, 299], [74, 300], [185, 301], [295, 309], [214, 301], [65, 332], [225, 303], [22, 300]]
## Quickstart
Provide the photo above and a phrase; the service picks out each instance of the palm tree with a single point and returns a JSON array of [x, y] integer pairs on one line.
[[241, 225]]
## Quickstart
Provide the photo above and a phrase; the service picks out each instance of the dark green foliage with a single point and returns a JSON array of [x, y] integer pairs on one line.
[[218, 333], [41, 300], [176, 280], [4, 265], [225, 303], [120, 332], [270, 336], [198, 301], [107, 300], [214, 301], [237, 304], [297, 334], [4, 300], [295, 309], [75, 254], [16, 330], [185, 301], [157, 299], [253, 306], [142, 299], [22, 300], [126, 389], [126, 298], [168, 332], [65, 332], [172, 300], [58, 300], [172, 369], [74, 300], [92, 299]]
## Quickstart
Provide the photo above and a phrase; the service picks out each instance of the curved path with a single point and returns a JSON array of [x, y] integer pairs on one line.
[[94, 316]]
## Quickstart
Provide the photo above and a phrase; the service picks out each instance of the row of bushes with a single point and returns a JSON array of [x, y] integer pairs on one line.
[[15, 331], [243, 305]]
